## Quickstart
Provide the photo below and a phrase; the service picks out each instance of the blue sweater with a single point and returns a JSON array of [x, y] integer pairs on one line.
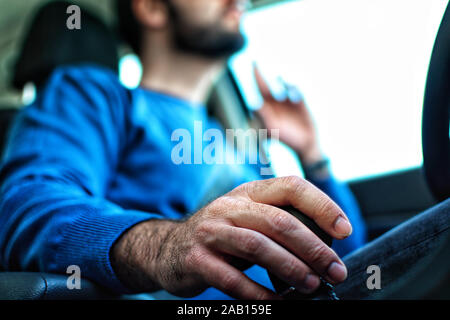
[[89, 159]]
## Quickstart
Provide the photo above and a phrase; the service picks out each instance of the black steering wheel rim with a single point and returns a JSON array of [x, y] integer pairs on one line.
[[436, 115]]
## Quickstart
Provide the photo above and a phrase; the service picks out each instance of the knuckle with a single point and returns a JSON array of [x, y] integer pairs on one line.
[[295, 183], [326, 209], [194, 259], [244, 190], [216, 207], [282, 222], [252, 245], [324, 205], [318, 254], [230, 282], [293, 271], [222, 205], [205, 233], [249, 191]]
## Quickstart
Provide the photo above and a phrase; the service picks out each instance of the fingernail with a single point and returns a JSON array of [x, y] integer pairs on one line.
[[343, 227], [337, 272]]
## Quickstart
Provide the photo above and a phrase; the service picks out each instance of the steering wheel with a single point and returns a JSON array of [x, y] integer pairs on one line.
[[436, 114]]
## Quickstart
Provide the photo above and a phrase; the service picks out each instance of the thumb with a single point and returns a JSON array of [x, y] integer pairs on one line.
[[261, 83]]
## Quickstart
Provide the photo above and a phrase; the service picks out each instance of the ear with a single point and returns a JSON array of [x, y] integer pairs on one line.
[[152, 14]]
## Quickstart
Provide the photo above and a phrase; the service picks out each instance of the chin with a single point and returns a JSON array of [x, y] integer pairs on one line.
[[213, 43]]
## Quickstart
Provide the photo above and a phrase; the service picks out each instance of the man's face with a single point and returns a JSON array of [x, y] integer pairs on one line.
[[208, 27]]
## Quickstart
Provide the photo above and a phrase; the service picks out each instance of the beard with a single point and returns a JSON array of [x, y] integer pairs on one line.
[[211, 41]]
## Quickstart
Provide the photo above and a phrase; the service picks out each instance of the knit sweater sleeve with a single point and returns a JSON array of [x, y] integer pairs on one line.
[[62, 153]]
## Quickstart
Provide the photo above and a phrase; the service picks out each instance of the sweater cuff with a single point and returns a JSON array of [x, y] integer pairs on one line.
[[87, 242]]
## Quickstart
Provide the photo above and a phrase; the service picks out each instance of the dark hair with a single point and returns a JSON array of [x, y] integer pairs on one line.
[[128, 27]]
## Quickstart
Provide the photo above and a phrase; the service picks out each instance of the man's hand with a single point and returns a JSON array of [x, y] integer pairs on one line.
[[206, 250], [292, 118]]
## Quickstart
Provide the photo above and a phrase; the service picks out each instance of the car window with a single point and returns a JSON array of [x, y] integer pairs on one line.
[[361, 66]]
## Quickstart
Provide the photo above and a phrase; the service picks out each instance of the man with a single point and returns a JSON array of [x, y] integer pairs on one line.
[[88, 178]]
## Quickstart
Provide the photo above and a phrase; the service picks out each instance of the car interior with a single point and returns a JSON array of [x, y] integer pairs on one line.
[[32, 46]]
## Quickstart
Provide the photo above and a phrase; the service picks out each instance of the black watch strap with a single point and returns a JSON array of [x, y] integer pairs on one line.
[[316, 168]]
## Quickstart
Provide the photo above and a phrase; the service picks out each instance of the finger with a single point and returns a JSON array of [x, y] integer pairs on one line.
[[233, 282], [305, 197], [295, 95], [285, 89], [257, 248], [292, 92], [265, 115], [290, 233], [262, 84]]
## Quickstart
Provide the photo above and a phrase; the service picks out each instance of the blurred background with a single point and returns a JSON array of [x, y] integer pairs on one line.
[[16, 17], [360, 64]]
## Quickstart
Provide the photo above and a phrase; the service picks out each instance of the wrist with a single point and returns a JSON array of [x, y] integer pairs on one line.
[[135, 255], [315, 164], [317, 171], [310, 156]]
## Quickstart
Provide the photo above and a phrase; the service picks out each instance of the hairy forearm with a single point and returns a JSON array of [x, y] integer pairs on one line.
[[186, 257], [136, 255]]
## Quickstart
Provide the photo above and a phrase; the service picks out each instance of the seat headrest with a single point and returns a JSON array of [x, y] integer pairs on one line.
[[50, 44]]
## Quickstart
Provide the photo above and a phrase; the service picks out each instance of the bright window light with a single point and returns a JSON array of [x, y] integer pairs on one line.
[[283, 160], [130, 71], [28, 93], [362, 67]]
